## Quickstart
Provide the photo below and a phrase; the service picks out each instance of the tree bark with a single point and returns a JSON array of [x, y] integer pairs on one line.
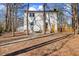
[[44, 20], [75, 17], [27, 19]]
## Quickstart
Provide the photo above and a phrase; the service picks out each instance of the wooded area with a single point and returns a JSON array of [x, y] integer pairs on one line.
[[50, 28], [11, 18]]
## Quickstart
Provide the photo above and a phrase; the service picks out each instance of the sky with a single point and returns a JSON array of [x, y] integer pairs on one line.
[[38, 6], [2, 11]]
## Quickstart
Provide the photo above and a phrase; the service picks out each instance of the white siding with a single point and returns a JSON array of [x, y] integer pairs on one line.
[[39, 21]]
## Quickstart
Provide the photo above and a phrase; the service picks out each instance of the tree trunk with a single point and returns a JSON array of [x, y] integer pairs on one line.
[[75, 17], [12, 18], [44, 20], [8, 17], [27, 19]]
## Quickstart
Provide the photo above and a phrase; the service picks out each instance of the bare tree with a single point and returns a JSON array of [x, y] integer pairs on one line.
[[44, 16], [75, 17], [8, 17], [27, 18], [11, 17]]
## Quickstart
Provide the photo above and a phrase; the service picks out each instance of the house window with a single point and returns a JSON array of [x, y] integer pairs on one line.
[[31, 14]]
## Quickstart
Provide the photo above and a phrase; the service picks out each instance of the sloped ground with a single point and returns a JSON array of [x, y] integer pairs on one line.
[[50, 49], [41, 46], [66, 47], [71, 48], [8, 36]]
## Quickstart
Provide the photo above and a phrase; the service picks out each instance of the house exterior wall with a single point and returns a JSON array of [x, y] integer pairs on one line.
[[38, 22]]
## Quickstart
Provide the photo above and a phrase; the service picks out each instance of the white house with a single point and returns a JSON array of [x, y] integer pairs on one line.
[[35, 21]]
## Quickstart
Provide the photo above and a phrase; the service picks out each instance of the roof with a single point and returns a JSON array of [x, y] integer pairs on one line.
[[42, 11]]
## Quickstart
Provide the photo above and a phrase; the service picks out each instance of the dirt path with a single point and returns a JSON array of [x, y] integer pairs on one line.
[[25, 44], [71, 48]]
